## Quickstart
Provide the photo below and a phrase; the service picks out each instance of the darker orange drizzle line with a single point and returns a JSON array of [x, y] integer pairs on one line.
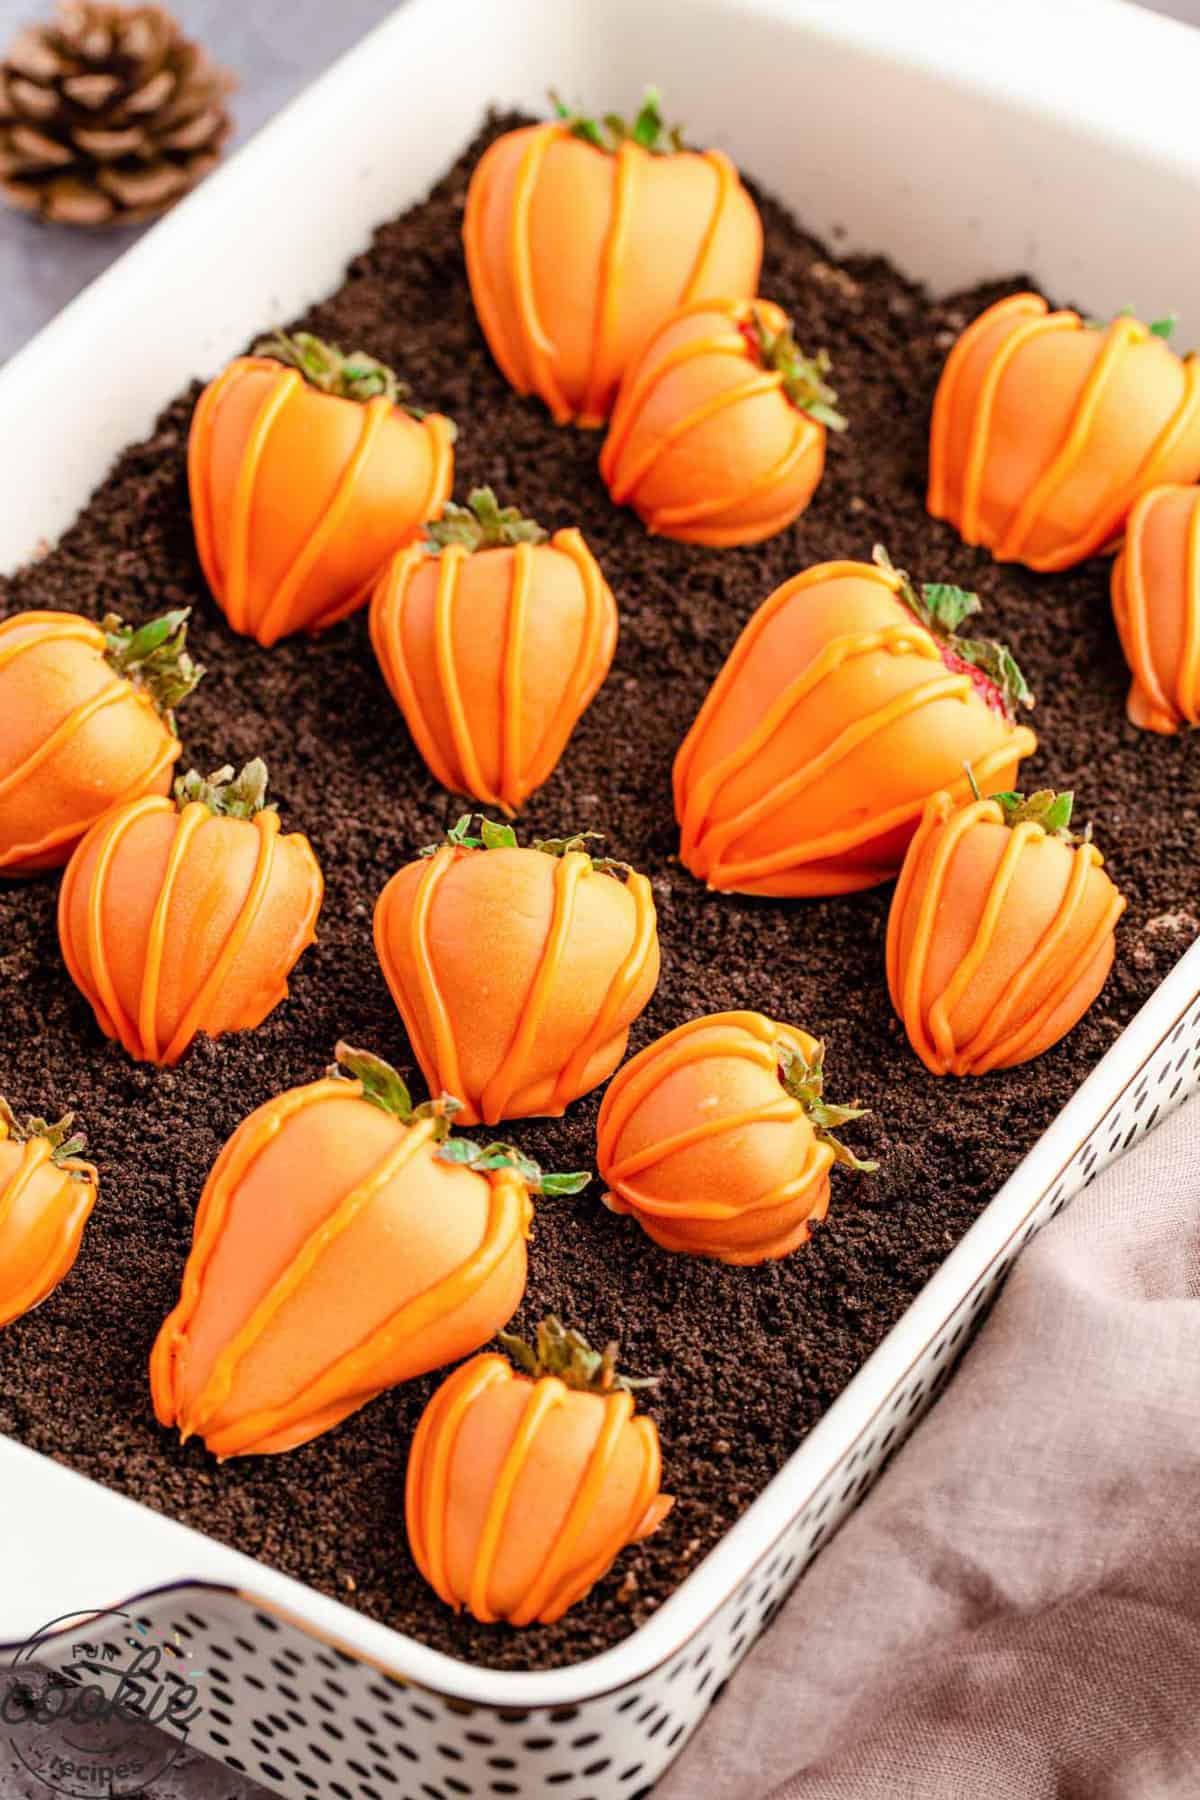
[[88, 964]]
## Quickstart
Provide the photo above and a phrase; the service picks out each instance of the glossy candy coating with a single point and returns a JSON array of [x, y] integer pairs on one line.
[[1046, 429], [44, 1206], [832, 721], [704, 443], [1156, 605], [175, 922], [999, 937], [299, 497], [75, 738], [517, 974], [493, 656], [334, 1255], [701, 1143], [521, 1493], [575, 254]]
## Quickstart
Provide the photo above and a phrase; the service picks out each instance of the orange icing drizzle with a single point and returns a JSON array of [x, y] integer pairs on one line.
[[522, 769], [352, 1378], [139, 1035], [1134, 607], [66, 628], [704, 847], [72, 1202], [529, 362], [556, 1586], [624, 485], [1120, 335], [439, 1058], [749, 1036], [1016, 1019], [233, 583]]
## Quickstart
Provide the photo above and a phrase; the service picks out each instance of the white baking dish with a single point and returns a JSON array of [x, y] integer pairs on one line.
[[963, 142]]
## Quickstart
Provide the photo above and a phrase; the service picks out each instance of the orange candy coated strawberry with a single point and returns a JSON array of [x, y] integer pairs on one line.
[[718, 435], [1047, 427], [1156, 605], [86, 721], [582, 237], [717, 1140], [342, 1244], [306, 473], [524, 1487], [848, 699], [1001, 931], [517, 972], [46, 1196], [183, 916], [493, 643]]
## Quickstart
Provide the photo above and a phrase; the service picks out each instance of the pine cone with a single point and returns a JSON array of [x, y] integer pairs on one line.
[[108, 114]]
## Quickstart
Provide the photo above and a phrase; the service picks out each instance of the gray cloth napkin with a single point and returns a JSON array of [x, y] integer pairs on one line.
[[1014, 1611]]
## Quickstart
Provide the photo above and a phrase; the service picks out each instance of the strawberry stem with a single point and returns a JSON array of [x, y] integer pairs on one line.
[[1051, 810], [227, 795], [941, 609], [1159, 328], [485, 1157], [805, 1082], [474, 832], [356, 376], [482, 524], [384, 1087], [154, 658], [66, 1145], [804, 380], [568, 1356], [649, 130]]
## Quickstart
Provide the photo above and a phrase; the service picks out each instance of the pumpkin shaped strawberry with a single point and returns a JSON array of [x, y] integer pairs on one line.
[[343, 1243], [186, 915], [86, 721], [307, 470], [525, 1484], [517, 971], [493, 642], [1156, 605], [1000, 934], [718, 435], [46, 1196], [718, 1140], [848, 699], [582, 236], [1047, 427]]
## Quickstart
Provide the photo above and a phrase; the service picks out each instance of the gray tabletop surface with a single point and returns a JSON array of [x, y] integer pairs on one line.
[[276, 47]]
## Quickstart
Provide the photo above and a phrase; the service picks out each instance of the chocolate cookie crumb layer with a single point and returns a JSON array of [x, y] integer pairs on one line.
[[749, 1358]]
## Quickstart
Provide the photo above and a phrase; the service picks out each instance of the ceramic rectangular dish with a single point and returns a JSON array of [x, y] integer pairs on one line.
[[961, 141]]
